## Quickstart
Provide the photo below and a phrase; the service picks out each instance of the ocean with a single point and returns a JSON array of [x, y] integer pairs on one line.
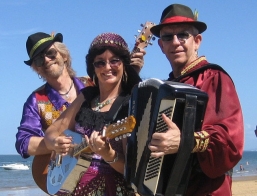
[[11, 179], [16, 178], [249, 164]]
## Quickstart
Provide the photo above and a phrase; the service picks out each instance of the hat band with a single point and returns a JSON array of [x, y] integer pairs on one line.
[[38, 44], [176, 19], [110, 43]]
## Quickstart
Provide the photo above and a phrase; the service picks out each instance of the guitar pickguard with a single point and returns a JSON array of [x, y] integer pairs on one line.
[[60, 167]]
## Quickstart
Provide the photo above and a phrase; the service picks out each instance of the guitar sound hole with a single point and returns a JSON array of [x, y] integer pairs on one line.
[[53, 180], [67, 167], [59, 178]]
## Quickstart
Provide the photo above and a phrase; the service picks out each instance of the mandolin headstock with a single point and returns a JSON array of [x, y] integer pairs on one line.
[[121, 129]]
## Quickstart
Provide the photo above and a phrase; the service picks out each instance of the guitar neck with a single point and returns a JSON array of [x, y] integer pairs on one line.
[[135, 50], [115, 130], [82, 147]]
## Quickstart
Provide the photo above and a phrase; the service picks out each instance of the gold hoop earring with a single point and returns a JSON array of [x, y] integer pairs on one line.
[[94, 79], [125, 77]]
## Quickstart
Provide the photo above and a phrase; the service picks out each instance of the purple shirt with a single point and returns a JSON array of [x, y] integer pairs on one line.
[[30, 124]]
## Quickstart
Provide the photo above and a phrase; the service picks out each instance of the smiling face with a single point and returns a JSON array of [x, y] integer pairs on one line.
[[180, 53], [51, 67], [110, 75]]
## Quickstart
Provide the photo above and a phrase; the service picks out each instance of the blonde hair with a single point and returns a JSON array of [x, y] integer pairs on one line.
[[63, 50]]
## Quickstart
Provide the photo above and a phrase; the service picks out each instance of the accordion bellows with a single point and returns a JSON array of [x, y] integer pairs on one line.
[[185, 105]]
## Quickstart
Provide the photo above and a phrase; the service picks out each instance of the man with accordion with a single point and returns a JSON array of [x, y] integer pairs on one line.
[[218, 146]]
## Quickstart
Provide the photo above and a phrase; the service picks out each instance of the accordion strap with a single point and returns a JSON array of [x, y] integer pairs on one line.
[[116, 106], [184, 155]]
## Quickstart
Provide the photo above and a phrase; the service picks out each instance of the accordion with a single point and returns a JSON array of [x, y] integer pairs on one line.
[[185, 105]]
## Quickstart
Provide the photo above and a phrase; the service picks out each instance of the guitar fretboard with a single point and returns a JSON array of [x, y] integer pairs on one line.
[[80, 147]]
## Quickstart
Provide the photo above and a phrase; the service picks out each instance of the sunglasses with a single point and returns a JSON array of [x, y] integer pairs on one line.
[[39, 60], [114, 63], [182, 37]]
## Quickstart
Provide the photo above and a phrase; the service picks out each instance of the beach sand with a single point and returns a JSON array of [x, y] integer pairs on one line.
[[244, 186], [241, 186]]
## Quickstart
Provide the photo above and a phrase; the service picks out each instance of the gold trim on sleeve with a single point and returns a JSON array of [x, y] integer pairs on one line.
[[202, 140]]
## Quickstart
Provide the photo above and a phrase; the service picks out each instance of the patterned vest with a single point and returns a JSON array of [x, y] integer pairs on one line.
[[46, 109]]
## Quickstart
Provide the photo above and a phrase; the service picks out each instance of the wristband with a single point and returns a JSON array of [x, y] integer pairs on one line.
[[116, 158]]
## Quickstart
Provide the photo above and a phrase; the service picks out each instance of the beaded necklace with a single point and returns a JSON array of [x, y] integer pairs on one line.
[[100, 105]]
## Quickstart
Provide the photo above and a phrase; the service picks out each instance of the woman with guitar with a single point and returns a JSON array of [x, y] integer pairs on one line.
[[108, 65], [37, 109]]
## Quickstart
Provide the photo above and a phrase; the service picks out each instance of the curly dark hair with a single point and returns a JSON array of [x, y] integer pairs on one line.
[[124, 55]]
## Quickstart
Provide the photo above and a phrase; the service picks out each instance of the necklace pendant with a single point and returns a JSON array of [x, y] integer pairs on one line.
[[67, 96], [99, 106]]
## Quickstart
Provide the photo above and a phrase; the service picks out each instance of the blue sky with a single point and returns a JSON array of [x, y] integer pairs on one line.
[[229, 41]]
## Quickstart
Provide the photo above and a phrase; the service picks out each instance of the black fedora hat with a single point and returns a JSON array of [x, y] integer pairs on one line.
[[38, 42], [177, 14]]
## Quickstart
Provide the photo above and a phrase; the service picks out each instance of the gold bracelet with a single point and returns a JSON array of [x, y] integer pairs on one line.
[[116, 158]]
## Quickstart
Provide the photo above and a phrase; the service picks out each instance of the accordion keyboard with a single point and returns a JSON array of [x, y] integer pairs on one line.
[[154, 165], [142, 137]]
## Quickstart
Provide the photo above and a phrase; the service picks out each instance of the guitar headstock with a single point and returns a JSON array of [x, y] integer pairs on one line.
[[145, 36], [121, 129]]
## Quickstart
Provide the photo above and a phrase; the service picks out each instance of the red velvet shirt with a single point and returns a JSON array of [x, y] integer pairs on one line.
[[223, 122]]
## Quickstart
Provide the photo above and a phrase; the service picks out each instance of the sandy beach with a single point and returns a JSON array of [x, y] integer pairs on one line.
[[241, 186], [244, 186]]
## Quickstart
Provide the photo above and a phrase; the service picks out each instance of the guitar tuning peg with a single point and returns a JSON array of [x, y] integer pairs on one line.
[[117, 139], [141, 25], [135, 36], [150, 43], [128, 134], [153, 38], [139, 31]]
